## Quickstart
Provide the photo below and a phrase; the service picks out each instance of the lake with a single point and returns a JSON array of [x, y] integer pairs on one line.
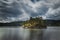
[[51, 33]]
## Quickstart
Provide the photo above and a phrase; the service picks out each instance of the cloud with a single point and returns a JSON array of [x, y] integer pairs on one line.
[[17, 10], [54, 10]]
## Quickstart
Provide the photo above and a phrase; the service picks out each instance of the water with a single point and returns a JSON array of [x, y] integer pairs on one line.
[[51, 33]]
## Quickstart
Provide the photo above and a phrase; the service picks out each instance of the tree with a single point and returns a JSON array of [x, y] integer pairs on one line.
[[35, 23]]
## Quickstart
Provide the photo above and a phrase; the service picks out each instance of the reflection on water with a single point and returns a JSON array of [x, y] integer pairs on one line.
[[51, 33], [20, 34]]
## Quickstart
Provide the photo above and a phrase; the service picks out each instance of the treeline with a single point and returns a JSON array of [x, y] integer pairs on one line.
[[19, 23], [52, 22]]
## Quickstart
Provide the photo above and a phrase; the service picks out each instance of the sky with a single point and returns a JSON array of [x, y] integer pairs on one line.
[[21, 10]]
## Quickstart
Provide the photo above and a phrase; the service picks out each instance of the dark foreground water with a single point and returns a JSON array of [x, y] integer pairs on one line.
[[51, 33]]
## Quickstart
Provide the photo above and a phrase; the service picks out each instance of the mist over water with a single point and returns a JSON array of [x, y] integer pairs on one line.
[[51, 33]]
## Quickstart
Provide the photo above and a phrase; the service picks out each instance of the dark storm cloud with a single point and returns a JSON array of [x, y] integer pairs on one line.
[[54, 11], [35, 1], [54, 14], [12, 11], [56, 5], [15, 10], [40, 11], [7, 11]]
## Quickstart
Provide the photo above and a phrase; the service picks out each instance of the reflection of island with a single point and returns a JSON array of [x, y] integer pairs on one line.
[[34, 23]]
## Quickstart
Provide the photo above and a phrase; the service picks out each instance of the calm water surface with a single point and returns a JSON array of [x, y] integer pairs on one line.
[[51, 33]]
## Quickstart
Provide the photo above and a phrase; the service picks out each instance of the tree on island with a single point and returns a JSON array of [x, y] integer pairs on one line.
[[34, 23]]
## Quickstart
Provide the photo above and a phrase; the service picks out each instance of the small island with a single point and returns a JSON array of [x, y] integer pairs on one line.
[[35, 23]]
